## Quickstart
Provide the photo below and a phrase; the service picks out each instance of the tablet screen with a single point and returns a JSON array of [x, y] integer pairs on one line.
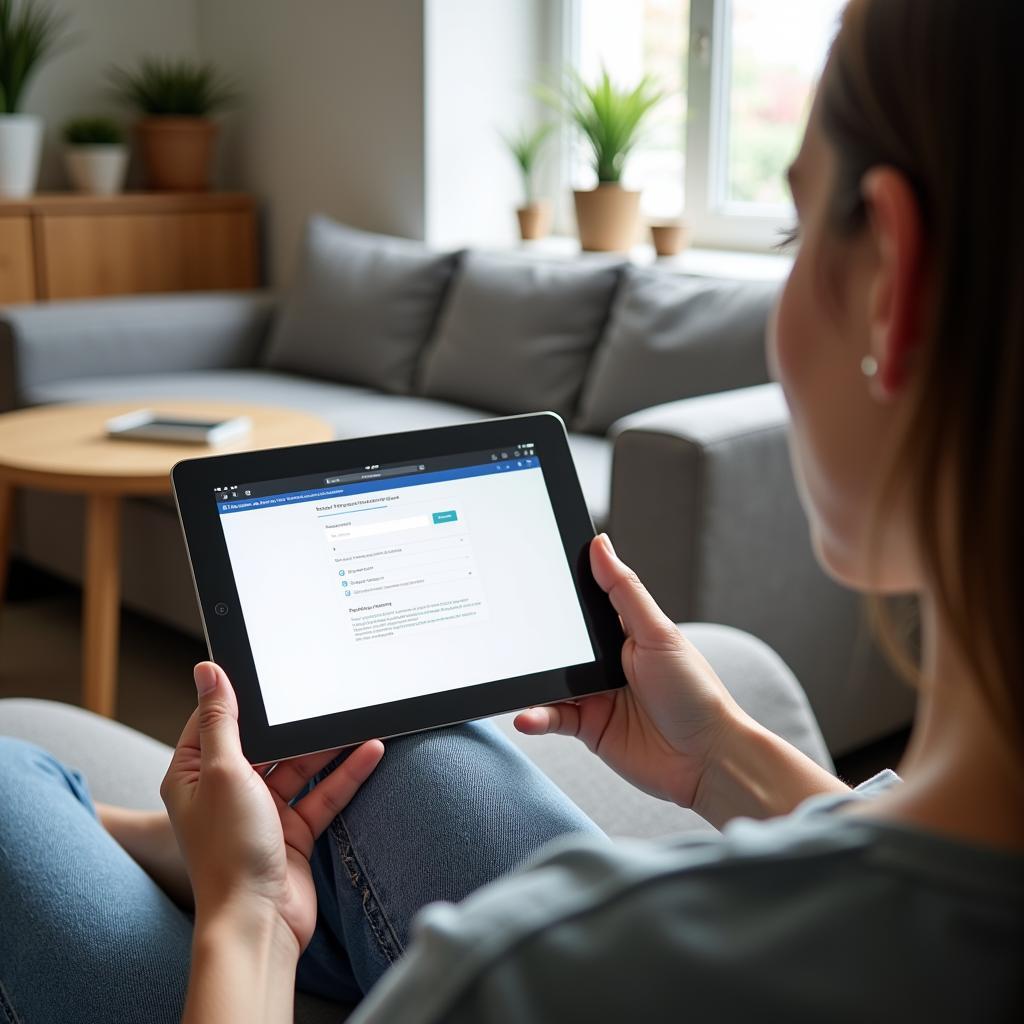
[[373, 584]]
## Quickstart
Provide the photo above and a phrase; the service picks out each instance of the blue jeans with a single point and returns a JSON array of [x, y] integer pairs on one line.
[[86, 935]]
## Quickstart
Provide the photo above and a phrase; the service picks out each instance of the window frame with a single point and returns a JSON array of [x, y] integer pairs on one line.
[[714, 220]]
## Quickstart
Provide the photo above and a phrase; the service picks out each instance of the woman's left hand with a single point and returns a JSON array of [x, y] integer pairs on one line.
[[246, 847]]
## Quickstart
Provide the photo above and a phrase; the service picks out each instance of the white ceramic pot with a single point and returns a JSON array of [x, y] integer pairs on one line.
[[21, 142], [98, 170]]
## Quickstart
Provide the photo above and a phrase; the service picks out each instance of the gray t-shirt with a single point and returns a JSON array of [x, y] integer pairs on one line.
[[816, 916]]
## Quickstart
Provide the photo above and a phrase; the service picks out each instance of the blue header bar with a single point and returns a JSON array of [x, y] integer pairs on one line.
[[389, 484]]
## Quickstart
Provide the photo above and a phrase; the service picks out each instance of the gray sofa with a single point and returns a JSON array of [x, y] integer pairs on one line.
[[125, 767], [678, 437]]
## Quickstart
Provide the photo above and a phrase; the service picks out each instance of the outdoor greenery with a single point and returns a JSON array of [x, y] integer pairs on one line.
[[525, 147], [163, 87], [773, 51], [767, 111], [608, 116], [93, 131], [29, 35]]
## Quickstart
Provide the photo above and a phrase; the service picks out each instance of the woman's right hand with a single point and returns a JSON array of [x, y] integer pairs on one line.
[[662, 730]]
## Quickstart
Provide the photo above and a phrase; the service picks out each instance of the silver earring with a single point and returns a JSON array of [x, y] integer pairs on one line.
[[869, 366]]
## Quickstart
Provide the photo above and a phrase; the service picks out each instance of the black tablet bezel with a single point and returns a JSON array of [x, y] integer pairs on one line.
[[193, 482]]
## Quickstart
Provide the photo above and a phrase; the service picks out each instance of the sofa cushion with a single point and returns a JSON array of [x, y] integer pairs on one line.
[[361, 308], [671, 337], [351, 411], [516, 334]]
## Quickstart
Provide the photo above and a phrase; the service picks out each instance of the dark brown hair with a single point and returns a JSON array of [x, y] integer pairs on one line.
[[935, 89]]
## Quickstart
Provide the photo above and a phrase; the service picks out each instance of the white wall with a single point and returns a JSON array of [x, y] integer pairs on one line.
[[101, 33], [482, 61], [331, 117]]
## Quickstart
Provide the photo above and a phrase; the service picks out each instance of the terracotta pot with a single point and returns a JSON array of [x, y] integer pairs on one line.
[[177, 152], [669, 238], [534, 219], [608, 218]]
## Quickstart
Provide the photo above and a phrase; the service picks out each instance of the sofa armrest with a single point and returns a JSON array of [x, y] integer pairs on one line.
[[705, 508], [122, 766], [135, 334], [690, 472]]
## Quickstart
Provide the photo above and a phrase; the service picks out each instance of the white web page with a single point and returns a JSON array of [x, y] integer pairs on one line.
[[362, 600]]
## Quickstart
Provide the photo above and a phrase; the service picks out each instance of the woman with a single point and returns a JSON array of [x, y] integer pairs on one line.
[[899, 341]]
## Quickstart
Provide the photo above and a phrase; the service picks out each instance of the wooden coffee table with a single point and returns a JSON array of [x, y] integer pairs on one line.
[[64, 448]]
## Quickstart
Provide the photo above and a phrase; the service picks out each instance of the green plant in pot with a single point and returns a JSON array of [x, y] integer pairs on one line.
[[176, 133], [610, 118], [30, 35], [526, 146], [95, 155]]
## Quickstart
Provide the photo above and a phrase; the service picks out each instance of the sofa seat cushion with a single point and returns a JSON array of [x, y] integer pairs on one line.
[[670, 337], [351, 411], [516, 335], [361, 308]]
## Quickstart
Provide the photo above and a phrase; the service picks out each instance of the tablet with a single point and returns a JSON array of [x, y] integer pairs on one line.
[[383, 585]]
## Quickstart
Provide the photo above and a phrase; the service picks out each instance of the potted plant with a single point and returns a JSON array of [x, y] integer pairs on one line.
[[609, 117], [95, 155], [535, 214], [29, 35], [176, 133], [669, 236]]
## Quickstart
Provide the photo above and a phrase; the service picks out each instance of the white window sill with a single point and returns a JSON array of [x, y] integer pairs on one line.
[[746, 266]]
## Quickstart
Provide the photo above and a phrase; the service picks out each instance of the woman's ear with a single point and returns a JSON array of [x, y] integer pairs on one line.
[[896, 299]]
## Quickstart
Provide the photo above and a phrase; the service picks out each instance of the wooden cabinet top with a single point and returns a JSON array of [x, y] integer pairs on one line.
[[57, 203], [66, 245]]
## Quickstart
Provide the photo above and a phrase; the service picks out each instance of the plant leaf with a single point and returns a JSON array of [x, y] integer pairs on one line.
[[30, 34], [525, 147], [608, 116], [93, 131], [168, 87]]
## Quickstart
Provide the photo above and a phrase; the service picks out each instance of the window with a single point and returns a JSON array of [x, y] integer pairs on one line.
[[631, 39], [740, 75]]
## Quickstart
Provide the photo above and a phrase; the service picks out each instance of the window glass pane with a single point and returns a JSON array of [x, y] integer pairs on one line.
[[777, 49], [631, 38]]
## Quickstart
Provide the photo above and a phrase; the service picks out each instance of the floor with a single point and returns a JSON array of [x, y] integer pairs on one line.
[[40, 650], [39, 657]]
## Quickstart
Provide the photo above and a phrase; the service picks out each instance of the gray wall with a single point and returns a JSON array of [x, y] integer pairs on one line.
[[332, 118], [102, 33]]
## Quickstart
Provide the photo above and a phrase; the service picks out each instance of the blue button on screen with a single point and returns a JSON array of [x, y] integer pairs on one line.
[[445, 517]]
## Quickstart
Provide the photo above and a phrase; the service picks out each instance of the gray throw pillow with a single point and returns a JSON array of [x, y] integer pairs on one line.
[[671, 337], [361, 308], [516, 334]]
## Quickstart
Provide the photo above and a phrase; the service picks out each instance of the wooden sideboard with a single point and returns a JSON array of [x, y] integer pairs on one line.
[[70, 246]]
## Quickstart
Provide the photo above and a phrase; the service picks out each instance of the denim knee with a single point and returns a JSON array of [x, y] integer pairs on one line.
[[18, 757], [25, 765], [85, 934]]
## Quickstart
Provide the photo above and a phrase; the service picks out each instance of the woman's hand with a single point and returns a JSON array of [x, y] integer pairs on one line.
[[661, 731], [246, 848], [674, 731]]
